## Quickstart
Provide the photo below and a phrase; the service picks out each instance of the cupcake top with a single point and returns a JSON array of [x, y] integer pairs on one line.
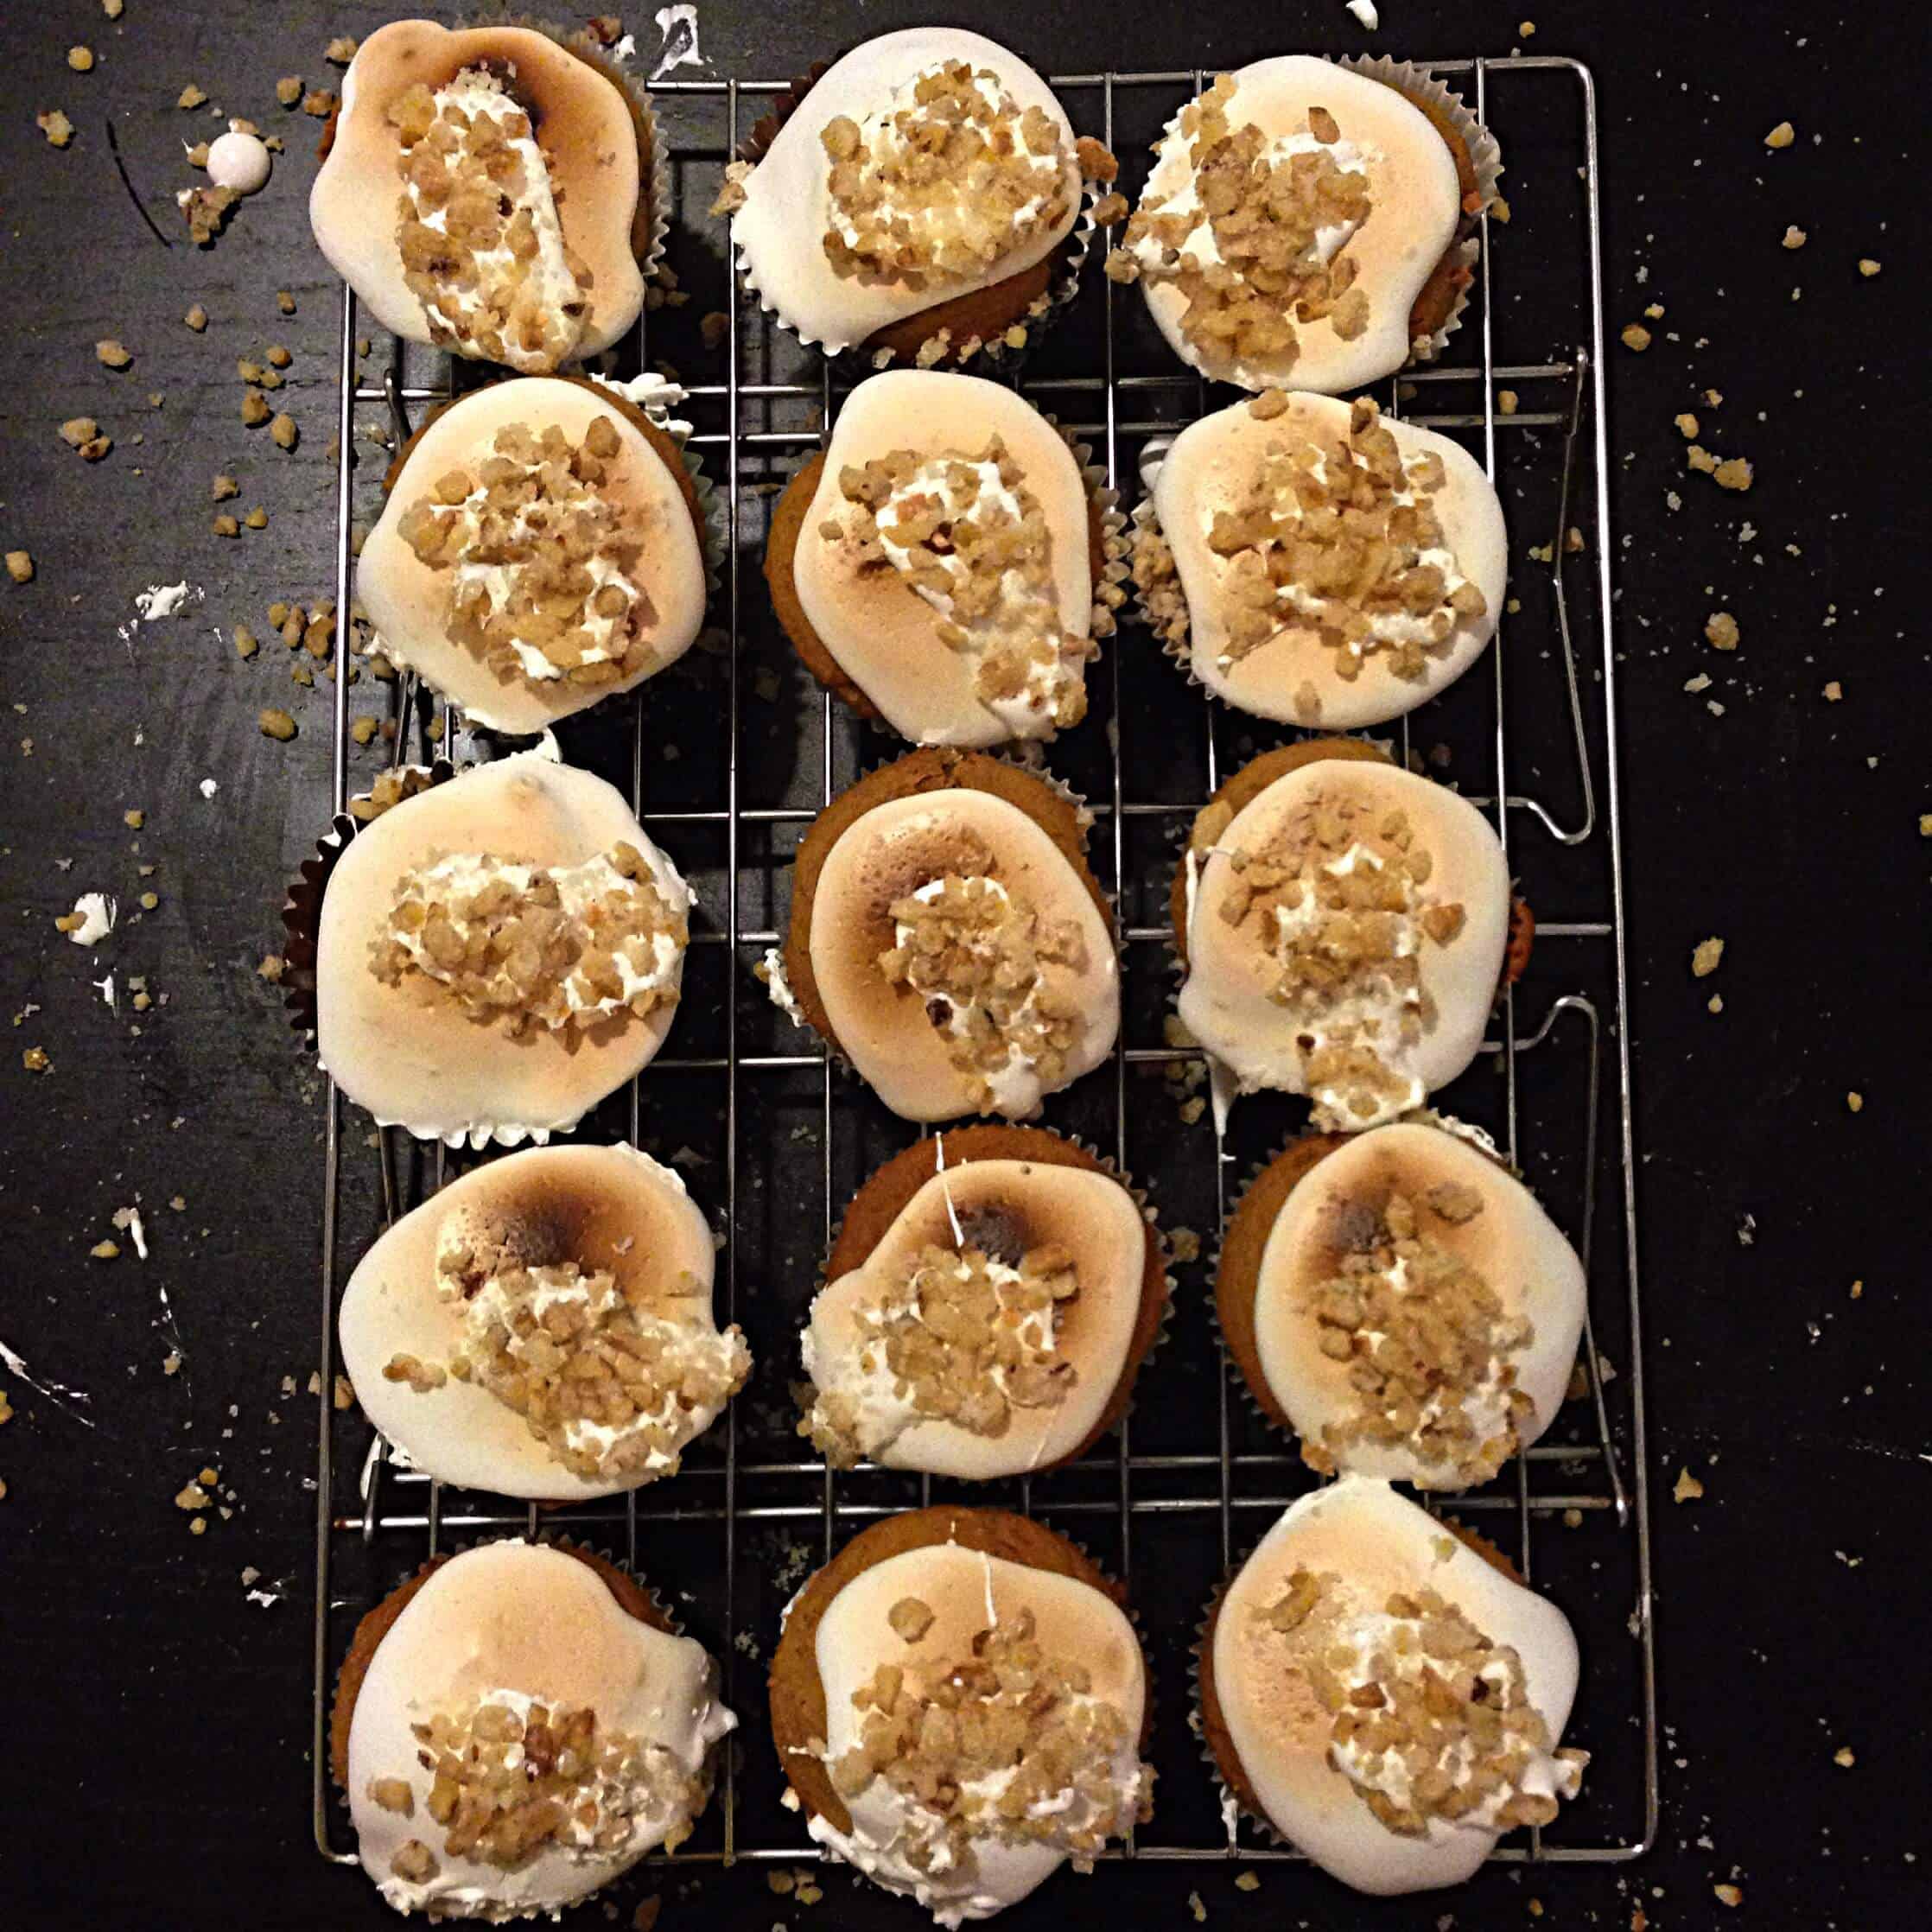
[[920, 167], [1393, 1699], [946, 560], [541, 548], [950, 941], [479, 193], [982, 1724], [1295, 212], [1319, 564], [987, 1330], [496, 954], [1344, 929], [520, 1738], [543, 1327], [1413, 1312]]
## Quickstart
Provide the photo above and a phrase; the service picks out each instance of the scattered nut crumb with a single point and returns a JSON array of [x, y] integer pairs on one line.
[[1721, 630], [255, 410], [1687, 1488], [284, 431], [1855, 1101], [284, 301], [278, 724], [1686, 426], [34, 1059], [191, 95], [1635, 336], [1704, 956], [80, 59], [134, 820], [111, 355], [196, 318], [340, 50], [105, 1250], [1833, 692], [1843, 1758], [1506, 401], [20, 566], [1795, 238], [1729, 1895], [59, 130], [279, 356], [1869, 266], [1782, 136]]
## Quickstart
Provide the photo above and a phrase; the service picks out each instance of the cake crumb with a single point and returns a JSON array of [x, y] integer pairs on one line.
[[1687, 1488]]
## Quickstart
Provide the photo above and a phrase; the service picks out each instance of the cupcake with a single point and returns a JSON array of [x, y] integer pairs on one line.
[[1398, 1299], [543, 546], [543, 1327], [959, 1703], [481, 192], [1387, 1695], [1343, 924], [919, 198], [986, 1308], [496, 954], [947, 939], [1312, 563], [945, 564], [516, 1726], [1306, 224]]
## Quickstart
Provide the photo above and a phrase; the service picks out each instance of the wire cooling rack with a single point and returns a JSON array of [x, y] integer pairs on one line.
[[728, 765]]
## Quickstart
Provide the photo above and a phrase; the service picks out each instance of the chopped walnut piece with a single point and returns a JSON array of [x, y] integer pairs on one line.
[[1834, 692], [191, 95], [1868, 266], [83, 434], [196, 318], [255, 410], [1635, 336], [1794, 237], [340, 50], [288, 90], [277, 724], [283, 433], [1705, 956], [1686, 426], [206, 210], [1782, 136], [910, 1619], [421, 1376], [58, 128], [223, 487], [1728, 1894], [36, 1060], [1687, 1488], [20, 566], [111, 355], [414, 1863], [1734, 474], [1721, 630], [80, 59], [393, 1793], [319, 103]]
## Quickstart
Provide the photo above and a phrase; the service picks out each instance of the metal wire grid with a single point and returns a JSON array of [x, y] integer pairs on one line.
[[1109, 407]]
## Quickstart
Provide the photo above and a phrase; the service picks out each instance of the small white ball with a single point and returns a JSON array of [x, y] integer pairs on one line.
[[239, 162]]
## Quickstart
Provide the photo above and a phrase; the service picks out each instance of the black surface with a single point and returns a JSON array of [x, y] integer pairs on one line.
[[156, 1721]]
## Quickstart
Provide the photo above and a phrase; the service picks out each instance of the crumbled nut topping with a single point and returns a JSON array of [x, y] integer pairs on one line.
[[910, 1618], [609, 1389], [962, 1337], [1426, 1340], [510, 1778], [940, 184], [206, 210], [975, 955], [1428, 1718], [972, 540], [523, 946], [539, 554], [476, 224], [1339, 898], [1257, 239], [1342, 535], [58, 128], [20, 566], [1008, 1746], [1721, 630]]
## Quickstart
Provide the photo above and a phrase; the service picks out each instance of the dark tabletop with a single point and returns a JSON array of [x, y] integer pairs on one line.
[[154, 1772]]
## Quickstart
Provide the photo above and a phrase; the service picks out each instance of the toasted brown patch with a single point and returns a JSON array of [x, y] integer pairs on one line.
[[630, 1595], [799, 1720], [880, 1202], [937, 768], [781, 550]]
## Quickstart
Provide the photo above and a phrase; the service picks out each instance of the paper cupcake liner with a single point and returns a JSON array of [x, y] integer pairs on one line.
[[1485, 158], [1150, 1216], [651, 226], [995, 357], [301, 904], [1233, 1805], [657, 397]]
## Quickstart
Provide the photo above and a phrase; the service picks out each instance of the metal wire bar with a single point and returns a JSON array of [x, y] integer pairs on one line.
[[1233, 1489]]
